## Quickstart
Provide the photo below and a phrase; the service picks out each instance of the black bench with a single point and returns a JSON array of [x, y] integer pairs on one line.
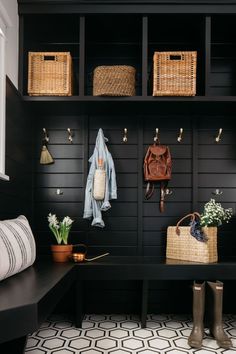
[[146, 269], [28, 298]]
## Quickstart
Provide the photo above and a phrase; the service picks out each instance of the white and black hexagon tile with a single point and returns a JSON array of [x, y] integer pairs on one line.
[[122, 334]]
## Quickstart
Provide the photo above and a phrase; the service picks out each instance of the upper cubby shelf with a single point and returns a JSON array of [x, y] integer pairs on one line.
[[132, 39], [223, 56], [113, 40], [177, 33]]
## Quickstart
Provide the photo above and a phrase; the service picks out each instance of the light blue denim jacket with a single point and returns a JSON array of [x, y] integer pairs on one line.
[[93, 208]]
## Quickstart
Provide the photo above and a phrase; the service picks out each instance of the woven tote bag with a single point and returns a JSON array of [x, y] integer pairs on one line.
[[183, 246]]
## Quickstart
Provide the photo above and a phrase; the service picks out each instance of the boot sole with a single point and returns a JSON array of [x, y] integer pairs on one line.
[[192, 345]]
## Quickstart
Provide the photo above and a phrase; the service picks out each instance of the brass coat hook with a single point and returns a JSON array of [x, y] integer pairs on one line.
[[156, 137], [46, 137], [70, 137], [168, 191], [217, 191], [59, 191], [218, 137], [180, 136], [125, 138]]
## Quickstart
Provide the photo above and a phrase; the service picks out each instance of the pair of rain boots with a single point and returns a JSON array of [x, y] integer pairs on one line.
[[215, 308]]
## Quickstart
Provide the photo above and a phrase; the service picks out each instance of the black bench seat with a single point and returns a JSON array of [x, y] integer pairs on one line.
[[153, 268], [146, 269], [26, 300]]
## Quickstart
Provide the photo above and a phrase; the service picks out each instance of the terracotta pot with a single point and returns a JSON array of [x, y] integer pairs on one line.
[[61, 253]]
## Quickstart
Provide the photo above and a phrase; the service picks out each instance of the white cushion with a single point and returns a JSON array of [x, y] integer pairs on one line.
[[17, 246]]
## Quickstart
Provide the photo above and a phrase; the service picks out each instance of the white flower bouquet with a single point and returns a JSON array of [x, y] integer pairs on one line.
[[214, 214], [60, 229]]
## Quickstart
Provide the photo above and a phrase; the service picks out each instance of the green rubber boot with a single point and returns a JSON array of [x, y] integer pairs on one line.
[[216, 325], [197, 334]]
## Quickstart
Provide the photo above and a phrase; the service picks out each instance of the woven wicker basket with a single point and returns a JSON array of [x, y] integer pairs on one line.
[[115, 80], [174, 73], [183, 246], [49, 74]]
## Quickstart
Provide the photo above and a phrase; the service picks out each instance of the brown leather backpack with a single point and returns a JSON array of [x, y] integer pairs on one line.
[[157, 168]]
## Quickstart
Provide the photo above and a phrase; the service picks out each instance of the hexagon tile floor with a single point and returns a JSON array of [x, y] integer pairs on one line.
[[122, 334]]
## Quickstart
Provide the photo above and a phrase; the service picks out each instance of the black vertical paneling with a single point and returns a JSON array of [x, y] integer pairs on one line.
[[86, 162], [16, 194], [140, 187], [144, 56], [207, 53], [21, 54], [81, 55], [194, 165]]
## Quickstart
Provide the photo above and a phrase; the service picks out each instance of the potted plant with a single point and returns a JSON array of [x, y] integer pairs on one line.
[[60, 229], [213, 216]]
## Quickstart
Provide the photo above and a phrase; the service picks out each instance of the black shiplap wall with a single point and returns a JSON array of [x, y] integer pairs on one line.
[[17, 194], [65, 174], [135, 226], [216, 170]]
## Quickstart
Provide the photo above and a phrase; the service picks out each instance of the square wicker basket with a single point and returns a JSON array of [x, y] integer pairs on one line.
[[49, 74], [174, 73], [114, 80]]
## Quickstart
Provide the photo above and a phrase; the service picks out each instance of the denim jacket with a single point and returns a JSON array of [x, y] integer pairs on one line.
[[93, 208]]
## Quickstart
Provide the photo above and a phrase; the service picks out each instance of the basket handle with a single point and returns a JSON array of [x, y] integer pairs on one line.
[[192, 215], [176, 57], [197, 214], [49, 57]]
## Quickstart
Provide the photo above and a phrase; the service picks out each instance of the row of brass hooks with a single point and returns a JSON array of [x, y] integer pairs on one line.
[[70, 135], [156, 137], [180, 135], [125, 135], [179, 138]]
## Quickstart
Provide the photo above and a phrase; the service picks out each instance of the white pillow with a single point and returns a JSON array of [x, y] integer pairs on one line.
[[17, 246]]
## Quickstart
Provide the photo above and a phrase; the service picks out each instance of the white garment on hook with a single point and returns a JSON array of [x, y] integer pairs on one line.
[[93, 208]]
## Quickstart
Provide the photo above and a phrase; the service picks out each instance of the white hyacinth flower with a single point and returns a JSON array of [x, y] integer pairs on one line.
[[52, 219], [67, 221]]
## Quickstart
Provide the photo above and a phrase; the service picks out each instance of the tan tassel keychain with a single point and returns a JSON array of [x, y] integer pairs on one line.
[[45, 157]]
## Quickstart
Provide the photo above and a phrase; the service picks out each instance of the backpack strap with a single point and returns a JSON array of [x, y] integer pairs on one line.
[[163, 187], [149, 190]]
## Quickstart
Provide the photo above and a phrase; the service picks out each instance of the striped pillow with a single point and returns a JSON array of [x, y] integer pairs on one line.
[[17, 246]]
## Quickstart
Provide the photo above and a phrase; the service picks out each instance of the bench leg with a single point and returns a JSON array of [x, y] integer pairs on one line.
[[16, 346], [144, 306], [79, 298]]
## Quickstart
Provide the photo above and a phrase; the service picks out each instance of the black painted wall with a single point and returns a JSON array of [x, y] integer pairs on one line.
[[135, 226], [200, 166], [17, 194]]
